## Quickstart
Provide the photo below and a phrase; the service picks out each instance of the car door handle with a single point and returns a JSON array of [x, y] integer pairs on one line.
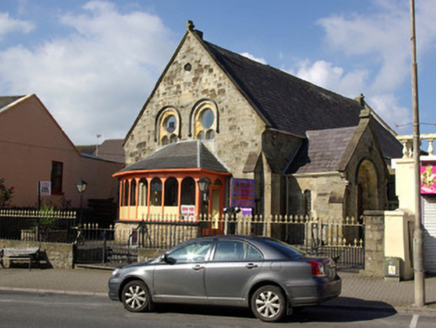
[[197, 267], [251, 266]]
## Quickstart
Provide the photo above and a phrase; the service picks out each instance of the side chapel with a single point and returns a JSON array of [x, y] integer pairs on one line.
[[265, 140]]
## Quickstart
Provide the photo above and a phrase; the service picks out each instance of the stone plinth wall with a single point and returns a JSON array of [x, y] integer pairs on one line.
[[374, 243], [55, 255]]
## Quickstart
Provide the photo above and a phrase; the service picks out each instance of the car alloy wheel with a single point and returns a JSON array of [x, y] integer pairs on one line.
[[135, 297], [268, 303]]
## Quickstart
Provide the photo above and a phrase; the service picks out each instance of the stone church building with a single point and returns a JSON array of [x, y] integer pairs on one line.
[[266, 141]]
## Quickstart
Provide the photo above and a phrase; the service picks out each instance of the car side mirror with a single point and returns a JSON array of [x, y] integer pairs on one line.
[[168, 259]]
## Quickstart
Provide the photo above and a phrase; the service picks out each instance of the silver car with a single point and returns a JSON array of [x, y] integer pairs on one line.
[[268, 276]]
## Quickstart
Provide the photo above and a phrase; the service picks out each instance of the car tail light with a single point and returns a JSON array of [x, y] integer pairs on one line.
[[317, 268]]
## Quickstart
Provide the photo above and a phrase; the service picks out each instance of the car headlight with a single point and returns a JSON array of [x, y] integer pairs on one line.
[[116, 273]]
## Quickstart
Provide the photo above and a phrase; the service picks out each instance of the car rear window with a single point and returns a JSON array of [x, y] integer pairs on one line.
[[283, 248]]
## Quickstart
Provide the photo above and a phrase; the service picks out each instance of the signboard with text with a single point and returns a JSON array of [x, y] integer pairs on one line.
[[243, 193], [188, 212], [45, 188]]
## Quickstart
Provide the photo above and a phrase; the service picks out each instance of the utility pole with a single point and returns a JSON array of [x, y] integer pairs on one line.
[[418, 260]]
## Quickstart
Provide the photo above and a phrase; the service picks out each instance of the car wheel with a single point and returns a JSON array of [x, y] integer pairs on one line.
[[136, 297], [268, 303]]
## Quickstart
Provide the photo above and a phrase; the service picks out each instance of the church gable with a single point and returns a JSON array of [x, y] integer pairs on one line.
[[195, 100]]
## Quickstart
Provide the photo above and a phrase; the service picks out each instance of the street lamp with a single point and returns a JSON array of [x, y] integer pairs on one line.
[[81, 188], [203, 185]]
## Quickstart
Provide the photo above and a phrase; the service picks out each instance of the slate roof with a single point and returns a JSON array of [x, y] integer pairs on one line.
[[112, 149], [287, 102], [322, 151], [293, 105], [7, 100], [182, 155]]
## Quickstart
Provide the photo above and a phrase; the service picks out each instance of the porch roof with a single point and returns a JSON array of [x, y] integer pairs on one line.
[[181, 155], [322, 151]]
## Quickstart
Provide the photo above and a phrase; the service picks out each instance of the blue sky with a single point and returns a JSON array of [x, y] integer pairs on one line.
[[94, 63]]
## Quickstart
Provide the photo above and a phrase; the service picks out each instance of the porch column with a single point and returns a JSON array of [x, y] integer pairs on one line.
[[148, 196], [179, 196], [163, 180]]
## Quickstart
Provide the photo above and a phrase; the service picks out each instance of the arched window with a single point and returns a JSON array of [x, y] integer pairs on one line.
[[307, 202], [205, 120], [168, 126], [200, 135], [133, 192], [210, 135], [143, 186], [126, 193], [188, 191], [171, 192], [156, 192], [217, 182]]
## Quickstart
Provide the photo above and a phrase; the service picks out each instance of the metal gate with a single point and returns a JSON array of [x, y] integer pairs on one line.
[[98, 246], [429, 233]]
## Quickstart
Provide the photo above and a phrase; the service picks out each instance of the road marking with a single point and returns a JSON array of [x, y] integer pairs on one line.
[[414, 322]]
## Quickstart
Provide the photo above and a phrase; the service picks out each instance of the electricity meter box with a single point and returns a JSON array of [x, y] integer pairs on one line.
[[393, 268]]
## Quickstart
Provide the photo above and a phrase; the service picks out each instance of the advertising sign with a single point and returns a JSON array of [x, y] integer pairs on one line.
[[428, 178], [45, 188], [243, 193], [188, 212]]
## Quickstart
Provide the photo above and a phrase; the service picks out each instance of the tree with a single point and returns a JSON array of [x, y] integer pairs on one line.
[[6, 194]]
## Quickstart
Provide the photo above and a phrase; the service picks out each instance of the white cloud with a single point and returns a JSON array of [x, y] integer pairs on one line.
[[10, 25], [380, 42], [332, 77], [381, 39], [96, 79], [250, 56], [396, 116]]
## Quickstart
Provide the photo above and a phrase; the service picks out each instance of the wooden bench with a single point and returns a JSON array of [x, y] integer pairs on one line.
[[28, 254]]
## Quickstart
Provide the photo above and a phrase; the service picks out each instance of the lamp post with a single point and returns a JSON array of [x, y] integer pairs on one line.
[[418, 254], [81, 188], [203, 185]]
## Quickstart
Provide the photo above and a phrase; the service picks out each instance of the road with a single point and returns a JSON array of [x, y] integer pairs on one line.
[[33, 310]]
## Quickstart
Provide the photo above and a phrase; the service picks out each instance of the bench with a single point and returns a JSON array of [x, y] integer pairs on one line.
[[28, 254]]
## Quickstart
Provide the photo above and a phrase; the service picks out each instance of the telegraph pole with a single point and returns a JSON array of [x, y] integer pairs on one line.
[[418, 261]]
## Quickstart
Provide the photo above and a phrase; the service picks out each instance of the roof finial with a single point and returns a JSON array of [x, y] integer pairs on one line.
[[365, 112], [190, 25], [362, 100]]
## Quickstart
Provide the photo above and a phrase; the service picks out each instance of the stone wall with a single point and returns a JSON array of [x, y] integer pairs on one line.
[[239, 130], [54, 255], [374, 243], [327, 190]]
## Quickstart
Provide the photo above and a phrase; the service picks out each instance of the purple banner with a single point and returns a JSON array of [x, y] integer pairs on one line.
[[243, 192]]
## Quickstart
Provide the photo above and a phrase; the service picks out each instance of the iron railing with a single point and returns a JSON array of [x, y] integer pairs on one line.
[[336, 238]]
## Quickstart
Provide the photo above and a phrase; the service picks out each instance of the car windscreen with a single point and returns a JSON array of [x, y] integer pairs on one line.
[[283, 248]]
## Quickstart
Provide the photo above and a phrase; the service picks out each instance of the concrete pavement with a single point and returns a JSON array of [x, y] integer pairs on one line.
[[357, 291]]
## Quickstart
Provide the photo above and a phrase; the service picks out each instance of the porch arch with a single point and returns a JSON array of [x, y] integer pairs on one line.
[[367, 187]]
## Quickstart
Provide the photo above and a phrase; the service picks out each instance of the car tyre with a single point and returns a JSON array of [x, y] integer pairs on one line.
[[268, 304], [136, 297]]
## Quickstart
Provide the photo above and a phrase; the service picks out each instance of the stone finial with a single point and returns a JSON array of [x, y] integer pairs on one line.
[[190, 25], [362, 100], [364, 112]]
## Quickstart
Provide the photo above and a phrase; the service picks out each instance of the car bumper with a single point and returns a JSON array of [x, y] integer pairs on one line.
[[114, 287], [322, 290]]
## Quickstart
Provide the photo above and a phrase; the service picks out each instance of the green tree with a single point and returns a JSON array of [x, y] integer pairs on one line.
[[6, 194]]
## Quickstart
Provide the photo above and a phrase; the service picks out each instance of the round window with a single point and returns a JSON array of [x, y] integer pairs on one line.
[[170, 124], [207, 118]]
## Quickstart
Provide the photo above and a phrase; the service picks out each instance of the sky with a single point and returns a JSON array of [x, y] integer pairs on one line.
[[94, 63]]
